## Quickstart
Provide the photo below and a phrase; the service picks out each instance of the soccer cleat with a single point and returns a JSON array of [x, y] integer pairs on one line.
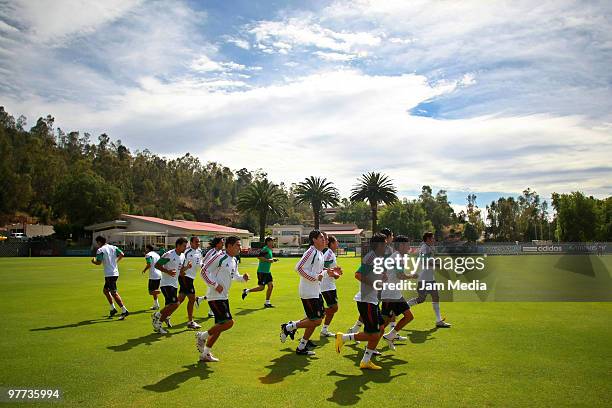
[[209, 358], [124, 315], [400, 338], [268, 305], [193, 325], [168, 324], [201, 340], [155, 319], [350, 331], [369, 366], [112, 313], [310, 345], [304, 352], [284, 333], [154, 307], [327, 334], [389, 342], [376, 353], [244, 293], [159, 329], [443, 324], [339, 342]]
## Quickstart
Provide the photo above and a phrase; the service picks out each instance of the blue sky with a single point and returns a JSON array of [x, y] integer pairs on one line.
[[471, 96]]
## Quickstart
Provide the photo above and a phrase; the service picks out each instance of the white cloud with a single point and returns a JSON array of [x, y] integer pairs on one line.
[[334, 56]]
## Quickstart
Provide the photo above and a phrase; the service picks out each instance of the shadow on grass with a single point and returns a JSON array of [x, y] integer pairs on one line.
[[244, 312], [580, 264], [420, 336], [87, 322], [148, 340], [284, 366], [173, 381], [350, 388]]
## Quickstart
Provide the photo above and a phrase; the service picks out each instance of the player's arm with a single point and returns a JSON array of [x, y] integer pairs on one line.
[[207, 276], [160, 265], [98, 259], [148, 260], [119, 254], [304, 269]]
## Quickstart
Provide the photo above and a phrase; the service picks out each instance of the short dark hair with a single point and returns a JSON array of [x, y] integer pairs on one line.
[[378, 237], [427, 235], [268, 239], [149, 247], [100, 240], [192, 238], [331, 239], [180, 241], [215, 241], [401, 238], [313, 235], [231, 240], [387, 232]]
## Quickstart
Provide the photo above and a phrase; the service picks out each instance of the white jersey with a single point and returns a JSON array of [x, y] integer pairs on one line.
[[171, 261], [108, 255], [427, 271], [152, 258], [329, 261], [309, 268], [220, 269], [195, 256], [367, 293], [393, 277]]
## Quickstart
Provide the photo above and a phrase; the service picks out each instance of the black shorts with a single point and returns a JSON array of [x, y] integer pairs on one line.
[[221, 310], [154, 284], [186, 285], [422, 291], [170, 296], [110, 283], [263, 278], [314, 308], [394, 307], [371, 317], [331, 297]]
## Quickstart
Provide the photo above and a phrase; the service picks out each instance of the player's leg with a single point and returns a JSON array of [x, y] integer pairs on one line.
[[258, 288], [190, 303], [331, 300], [372, 321], [223, 321], [270, 287], [112, 288], [435, 304]]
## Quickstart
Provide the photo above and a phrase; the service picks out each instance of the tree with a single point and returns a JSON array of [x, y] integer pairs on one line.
[[319, 193], [264, 199], [405, 218], [355, 213], [470, 232], [375, 188], [577, 217]]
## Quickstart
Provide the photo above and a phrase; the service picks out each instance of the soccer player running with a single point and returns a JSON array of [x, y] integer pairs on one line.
[[328, 284], [215, 246], [264, 276], [393, 303], [109, 255], [172, 265], [218, 273], [427, 279], [367, 305], [193, 256], [151, 258], [311, 270]]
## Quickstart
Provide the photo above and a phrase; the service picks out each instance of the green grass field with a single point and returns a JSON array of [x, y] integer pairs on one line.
[[56, 334]]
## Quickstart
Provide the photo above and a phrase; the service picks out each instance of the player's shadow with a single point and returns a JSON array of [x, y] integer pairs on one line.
[[244, 312], [350, 388], [284, 366], [173, 381], [148, 339], [421, 336], [86, 322]]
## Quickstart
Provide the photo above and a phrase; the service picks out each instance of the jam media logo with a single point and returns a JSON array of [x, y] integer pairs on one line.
[[542, 248]]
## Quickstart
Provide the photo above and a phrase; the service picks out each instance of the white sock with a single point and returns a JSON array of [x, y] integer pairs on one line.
[[112, 307], [392, 325], [436, 308], [291, 326], [123, 309], [302, 344], [412, 302], [155, 303], [392, 334], [348, 337], [367, 355], [267, 301], [206, 350], [324, 329], [356, 326]]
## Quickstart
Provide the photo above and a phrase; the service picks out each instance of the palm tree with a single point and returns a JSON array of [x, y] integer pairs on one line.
[[319, 193], [263, 198], [375, 188]]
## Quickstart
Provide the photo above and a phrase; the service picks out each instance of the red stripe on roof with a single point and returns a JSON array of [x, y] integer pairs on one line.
[[189, 225]]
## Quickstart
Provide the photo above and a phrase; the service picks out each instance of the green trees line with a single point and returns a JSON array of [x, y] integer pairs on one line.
[[70, 180]]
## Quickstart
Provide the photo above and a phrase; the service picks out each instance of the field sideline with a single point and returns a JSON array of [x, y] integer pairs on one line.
[[56, 334]]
